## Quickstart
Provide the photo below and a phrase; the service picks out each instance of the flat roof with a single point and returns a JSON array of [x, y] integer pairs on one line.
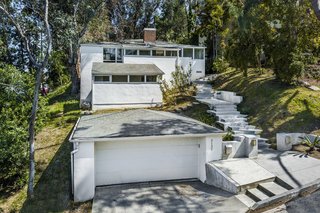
[[139, 43], [125, 69], [138, 123]]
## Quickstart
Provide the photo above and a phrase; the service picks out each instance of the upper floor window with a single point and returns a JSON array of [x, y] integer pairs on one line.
[[158, 52], [171, 53], [199, 53], [109, 54], [188, 52], [119, 55], [144, 52], [131, 52]]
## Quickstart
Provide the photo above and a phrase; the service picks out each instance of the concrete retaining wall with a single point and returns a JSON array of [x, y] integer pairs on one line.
[[285, 141]]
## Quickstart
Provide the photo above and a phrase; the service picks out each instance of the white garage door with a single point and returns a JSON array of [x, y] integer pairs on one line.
[[137, 161]]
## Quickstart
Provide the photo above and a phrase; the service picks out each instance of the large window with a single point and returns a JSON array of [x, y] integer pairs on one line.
[[136, 78], [144, 52], [158, 52], [187, 52], [119, 55], [199, 53], [109, 54], [151, 78], [171, 53], [131, 52], [101, 78], [120, 78]]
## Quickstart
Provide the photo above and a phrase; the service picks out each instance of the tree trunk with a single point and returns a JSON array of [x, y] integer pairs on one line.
[[32, 132], [74, 61], [316, 7]]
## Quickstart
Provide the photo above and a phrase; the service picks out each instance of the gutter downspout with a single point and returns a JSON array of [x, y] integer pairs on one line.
[[73, 152], [72, 165]]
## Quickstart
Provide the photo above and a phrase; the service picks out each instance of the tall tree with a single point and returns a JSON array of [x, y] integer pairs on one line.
[[39, 63], [72, 22]]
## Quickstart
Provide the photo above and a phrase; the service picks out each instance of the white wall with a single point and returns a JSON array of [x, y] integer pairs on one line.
[[166, 64], [130, 93], [88, 56], [195, 65], [210, 150], [83, 176]]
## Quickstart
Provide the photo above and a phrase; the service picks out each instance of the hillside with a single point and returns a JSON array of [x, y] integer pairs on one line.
[[272, 106]]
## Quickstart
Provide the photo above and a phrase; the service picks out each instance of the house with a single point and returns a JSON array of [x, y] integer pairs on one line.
[[128, 73], [137, 146]]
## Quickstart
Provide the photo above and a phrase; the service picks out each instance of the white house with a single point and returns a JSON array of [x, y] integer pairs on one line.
[[137, 146], [129, 81]]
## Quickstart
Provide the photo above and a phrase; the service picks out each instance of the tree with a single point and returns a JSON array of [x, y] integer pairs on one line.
[[39, 62], [72, 20]]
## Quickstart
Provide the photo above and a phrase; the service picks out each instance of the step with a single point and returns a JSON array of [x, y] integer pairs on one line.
[[225, 113], [272, 188], [245, 200], [233, 119], [230, 116], [225, 109], [256, 194]]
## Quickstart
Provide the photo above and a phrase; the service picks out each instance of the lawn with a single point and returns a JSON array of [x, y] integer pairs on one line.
[[272, 106], [52, 186]]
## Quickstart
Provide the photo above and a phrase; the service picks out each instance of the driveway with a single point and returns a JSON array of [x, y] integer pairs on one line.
[[185, 196]]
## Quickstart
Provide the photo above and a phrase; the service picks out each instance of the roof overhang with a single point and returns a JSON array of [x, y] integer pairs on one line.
[[125, 69]]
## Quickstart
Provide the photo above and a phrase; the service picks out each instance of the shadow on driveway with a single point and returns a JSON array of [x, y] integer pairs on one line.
[[185, 196]]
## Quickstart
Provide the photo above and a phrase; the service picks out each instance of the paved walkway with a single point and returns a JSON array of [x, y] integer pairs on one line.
[[192, 196]]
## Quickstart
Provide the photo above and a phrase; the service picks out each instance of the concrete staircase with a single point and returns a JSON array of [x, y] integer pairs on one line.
[[263, 192], [223, 106], [244, 177]]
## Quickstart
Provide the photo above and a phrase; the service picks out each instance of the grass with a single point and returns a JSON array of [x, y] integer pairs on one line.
[[272, 106], [52, 184]]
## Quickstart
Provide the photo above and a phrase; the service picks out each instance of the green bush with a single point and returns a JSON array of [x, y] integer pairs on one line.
[[178, 86], [16, 91], [220, 65]]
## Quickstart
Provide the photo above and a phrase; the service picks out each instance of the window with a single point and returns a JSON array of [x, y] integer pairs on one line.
[[144, 52], [136, 78], [171, 53], [120, 78], [188, 53], [158, 52], [151, 78], [131, 52], [119, 55], [102, 78], [109, 54], [198, 53]]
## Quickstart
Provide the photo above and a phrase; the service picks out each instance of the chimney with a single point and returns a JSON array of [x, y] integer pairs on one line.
[[149, 35]]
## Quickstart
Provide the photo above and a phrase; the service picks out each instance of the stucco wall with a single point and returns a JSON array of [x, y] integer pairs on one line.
[[83, 173], [88, 56], [114, 94], [166, 64], [196, 65]]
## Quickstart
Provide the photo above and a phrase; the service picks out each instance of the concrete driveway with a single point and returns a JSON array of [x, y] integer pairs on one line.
[[186, 196]]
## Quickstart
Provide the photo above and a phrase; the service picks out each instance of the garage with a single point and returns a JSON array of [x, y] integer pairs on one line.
[[139, 145], [139, 161]]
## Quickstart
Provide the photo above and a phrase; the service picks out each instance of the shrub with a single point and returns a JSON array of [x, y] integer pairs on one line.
[[16, 91], [220, 65], [177, 87]]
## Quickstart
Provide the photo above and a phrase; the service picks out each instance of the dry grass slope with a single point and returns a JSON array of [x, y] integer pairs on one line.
[[272, 106]]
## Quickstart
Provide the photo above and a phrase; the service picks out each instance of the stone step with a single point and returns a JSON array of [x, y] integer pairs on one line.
[[246, 200], [225, 109], [229, 106], [225, 113], [233, 119], [219, 117], [256, 195], [272, 188]]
